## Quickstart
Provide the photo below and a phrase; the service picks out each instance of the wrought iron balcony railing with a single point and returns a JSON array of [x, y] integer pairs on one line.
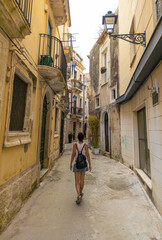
[[77, 111], [77, 84], [26, 8], [51, 53]]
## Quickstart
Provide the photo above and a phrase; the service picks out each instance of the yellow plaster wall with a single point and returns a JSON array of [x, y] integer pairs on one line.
[[143, 12], [39, 24], [14, 160]]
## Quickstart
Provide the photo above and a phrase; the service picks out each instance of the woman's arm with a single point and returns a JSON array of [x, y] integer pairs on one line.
[[72, 156], [88, 157]]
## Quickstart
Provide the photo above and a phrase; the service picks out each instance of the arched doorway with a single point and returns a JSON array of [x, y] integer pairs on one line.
[[106, 133], [43, 132]]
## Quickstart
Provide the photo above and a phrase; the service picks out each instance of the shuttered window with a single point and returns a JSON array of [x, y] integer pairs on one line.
[[18, 104]]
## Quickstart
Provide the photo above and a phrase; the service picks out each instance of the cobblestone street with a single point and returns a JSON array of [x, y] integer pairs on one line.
[[114, 206]]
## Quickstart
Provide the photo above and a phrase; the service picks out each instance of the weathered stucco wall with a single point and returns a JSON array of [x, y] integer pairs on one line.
[[129, 133], [144, 20]]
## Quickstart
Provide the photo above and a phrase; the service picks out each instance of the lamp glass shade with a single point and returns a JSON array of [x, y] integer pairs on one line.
[[109, 20]]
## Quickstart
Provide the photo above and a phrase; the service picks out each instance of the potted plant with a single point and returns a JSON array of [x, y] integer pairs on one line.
[[103, 70], [94, 125]]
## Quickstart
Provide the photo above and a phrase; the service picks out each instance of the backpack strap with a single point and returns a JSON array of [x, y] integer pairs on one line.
[[83, 147], [77, 147]]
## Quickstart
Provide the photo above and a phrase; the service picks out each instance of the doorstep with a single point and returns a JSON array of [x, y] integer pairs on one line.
[[43, 173], [144, 178]]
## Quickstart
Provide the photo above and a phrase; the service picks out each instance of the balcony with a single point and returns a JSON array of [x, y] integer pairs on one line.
[[15, 17], [59, 11], [52, 62], [77, 112], [76, 86]]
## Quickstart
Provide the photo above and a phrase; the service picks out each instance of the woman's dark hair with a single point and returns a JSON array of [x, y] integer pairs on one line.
[[80, 137]]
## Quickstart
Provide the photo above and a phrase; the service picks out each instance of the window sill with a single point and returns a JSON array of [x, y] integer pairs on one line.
[[16, 142], [144, 178]]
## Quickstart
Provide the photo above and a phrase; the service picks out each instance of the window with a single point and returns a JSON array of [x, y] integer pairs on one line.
[[80, 124], [19, 120], [104, 67], [155, 98], [49, 39], [80, 103], [97, 102], [56, 119], [18, 104], [75, 74], [113, 94], [105, 60]]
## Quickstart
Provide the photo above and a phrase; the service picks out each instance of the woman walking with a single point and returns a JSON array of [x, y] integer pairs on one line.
[[79, 148]]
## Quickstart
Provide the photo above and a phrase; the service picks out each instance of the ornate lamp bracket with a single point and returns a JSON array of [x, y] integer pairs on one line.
[[135, 38]]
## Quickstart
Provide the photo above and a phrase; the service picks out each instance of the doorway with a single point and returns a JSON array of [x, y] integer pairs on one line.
[[106, 133], [144, 156], [43, 133], [62, 132]]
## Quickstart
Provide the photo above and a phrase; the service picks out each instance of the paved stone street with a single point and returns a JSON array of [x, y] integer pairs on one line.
[[114, 206]]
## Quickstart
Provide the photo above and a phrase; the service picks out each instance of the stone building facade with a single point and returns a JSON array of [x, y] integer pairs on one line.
[[104, 91], [74, 119], [33, 68]]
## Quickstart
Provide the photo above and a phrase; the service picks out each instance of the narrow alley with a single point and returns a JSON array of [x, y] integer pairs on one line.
[[114, 206]]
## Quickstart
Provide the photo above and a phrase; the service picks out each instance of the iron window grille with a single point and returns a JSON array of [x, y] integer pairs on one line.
[[18, 104]]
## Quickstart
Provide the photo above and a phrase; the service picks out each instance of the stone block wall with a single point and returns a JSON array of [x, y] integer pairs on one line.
[[14, 192]]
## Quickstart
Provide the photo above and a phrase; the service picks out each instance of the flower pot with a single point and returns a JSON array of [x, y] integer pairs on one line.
[[103, 70], [95, 151]]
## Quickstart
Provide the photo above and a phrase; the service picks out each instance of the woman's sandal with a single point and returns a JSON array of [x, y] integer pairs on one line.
[[81, 195], [78, 201]]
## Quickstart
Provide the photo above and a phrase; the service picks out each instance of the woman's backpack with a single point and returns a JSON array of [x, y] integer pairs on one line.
[[81, 159]]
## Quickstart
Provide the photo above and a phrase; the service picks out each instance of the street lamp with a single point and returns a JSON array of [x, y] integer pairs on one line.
[[110, 19]]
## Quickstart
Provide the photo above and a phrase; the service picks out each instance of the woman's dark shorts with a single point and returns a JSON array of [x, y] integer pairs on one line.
[[79, 170]]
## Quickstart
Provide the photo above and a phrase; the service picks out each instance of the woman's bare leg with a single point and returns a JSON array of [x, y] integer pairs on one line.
[[82, 181], [77, 182]]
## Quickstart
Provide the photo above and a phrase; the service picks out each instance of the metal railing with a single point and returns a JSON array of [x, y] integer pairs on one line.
[[51, 53], [77, 84], [26, 9], [77, 111]]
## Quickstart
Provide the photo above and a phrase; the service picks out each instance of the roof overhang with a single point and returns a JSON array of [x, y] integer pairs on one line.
[[149, 60]]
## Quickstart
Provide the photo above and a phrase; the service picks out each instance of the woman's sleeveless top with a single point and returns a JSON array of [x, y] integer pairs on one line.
[[80, 146]]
